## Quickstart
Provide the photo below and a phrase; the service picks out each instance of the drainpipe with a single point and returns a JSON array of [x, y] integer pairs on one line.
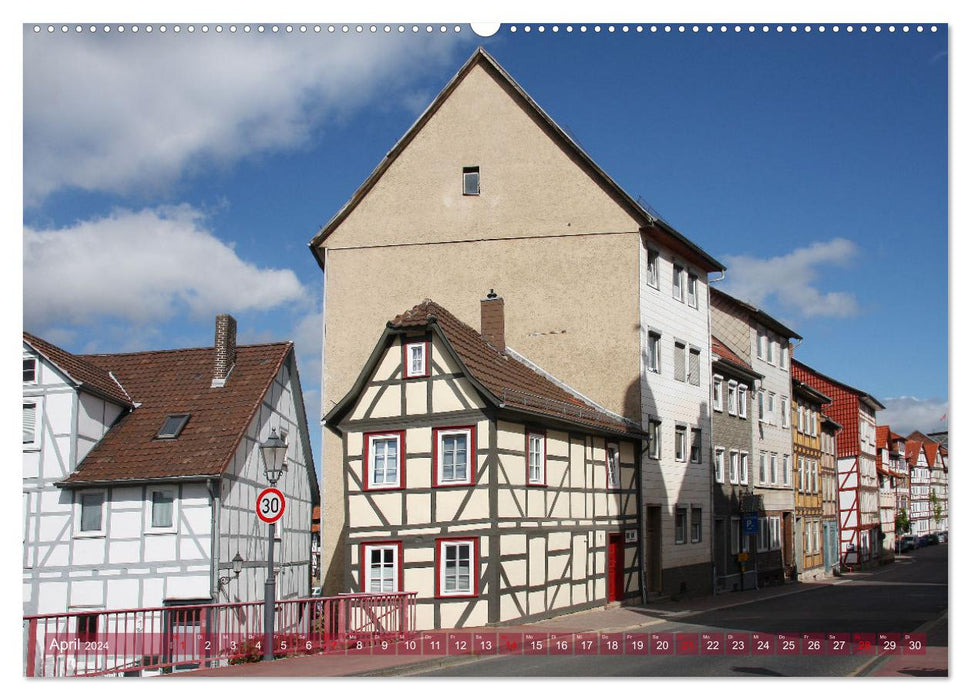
[[711, 457], [214, 538], [638, 453]]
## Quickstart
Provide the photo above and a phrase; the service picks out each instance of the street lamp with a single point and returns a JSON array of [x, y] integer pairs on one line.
[[274, 452], [237, 567]]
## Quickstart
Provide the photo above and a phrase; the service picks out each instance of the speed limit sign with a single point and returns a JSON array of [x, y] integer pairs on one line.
[[270, 505]]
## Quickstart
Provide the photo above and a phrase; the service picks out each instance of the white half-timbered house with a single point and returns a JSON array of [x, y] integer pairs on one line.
[[141, 470], [481, 483]]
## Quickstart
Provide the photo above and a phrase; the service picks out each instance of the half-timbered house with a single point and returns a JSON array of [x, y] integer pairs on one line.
[[856, 466], [141, 470], [807, 435], [483, 484]]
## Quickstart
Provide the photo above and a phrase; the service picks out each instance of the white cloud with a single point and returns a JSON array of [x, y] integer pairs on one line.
[[124, 113], [905, 414], [143, 266], [789, 279]]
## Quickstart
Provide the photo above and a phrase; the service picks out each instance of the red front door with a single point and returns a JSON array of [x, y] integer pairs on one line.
[[615, 567]]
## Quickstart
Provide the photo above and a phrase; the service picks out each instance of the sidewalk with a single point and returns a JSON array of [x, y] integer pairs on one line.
[[609, 619]]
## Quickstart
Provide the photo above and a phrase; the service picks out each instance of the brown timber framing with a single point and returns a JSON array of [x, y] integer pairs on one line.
[[567, 510]]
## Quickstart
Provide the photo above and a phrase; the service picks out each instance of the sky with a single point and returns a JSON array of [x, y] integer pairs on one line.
[[171, 176]]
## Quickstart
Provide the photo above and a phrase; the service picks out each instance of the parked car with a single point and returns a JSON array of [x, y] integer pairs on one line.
[[942, 536], [933, 539], [907, 543]]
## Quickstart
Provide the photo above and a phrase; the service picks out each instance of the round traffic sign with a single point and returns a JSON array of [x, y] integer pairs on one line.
[[270, 505]]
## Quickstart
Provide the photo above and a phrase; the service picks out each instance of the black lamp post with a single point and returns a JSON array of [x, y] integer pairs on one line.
[[274, 452]]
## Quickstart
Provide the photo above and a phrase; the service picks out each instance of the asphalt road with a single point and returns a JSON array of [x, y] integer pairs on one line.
[[899, 598]]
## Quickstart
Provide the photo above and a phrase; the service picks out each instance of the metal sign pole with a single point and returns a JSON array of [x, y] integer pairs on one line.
[[269, 598]]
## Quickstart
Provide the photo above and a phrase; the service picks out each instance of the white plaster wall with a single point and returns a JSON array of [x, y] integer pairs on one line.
[[667, 482]]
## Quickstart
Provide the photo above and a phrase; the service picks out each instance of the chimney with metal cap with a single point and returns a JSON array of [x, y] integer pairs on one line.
[[225, 349], [494, 321]]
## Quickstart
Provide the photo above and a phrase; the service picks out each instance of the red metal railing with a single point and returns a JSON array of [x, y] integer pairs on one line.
[[175, 638]]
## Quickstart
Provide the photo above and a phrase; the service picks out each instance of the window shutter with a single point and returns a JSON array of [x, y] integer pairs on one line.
[[30, 422], [679, 362], [694, 367]]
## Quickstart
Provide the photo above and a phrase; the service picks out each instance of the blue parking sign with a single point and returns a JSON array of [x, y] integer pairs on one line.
[[750, 523]]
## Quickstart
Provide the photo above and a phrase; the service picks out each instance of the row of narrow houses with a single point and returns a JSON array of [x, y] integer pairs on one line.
[[534, 402], [611, 427]]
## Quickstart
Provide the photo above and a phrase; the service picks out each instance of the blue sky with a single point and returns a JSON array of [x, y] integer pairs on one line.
[[171, 177]]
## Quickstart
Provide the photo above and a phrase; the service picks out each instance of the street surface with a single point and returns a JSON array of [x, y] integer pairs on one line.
[[908, 596]]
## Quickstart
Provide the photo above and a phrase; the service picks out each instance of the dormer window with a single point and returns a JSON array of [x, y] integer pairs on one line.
[[172, 426], [30, 370], [416, 359], [470, 180]]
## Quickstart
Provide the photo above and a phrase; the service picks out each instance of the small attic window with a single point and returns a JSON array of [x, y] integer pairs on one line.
[[173, 425], [470, 180]]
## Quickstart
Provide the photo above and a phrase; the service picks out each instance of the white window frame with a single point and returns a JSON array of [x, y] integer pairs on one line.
[[716, 392], [654, 351], [743, 467], [732, 397], [692, 522], [654, 438], [150, 506], [540, 480], [784, 408], [409, 373], [469, 456], [612, 455], [770, 351], [800, 417], [79, 510], [38, 403], [31, 358], [733, 467], [692, 290], [743, 401], [801, 466], [466, 190], [372, 438], [681, 443], [681, 512], [720, 465], [763, 467], [395, 567], [652, 268], [695, 455], [785, 470], [441, 547], [760, 344], [688, 376], [682, 348], [770, 408], [761, 403], [783, 355], [677, 282], [774, 467]]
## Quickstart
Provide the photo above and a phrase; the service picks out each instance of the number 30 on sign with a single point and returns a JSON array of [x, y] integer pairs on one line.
[[270, 505]]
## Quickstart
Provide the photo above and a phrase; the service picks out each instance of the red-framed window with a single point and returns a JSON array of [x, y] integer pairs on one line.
[[457, 567], [384, 460], [453, 456], [416, 359], [382, 566], [536, 458]]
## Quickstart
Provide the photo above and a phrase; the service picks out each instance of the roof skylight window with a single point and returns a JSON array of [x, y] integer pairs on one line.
[[173, 425]]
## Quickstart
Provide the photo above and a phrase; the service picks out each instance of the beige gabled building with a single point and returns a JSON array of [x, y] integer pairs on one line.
[[486, 191]]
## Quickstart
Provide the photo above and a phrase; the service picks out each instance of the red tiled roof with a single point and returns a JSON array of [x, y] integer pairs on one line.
[[512, 382], [883, 435], [912, 451], [78, 369], [315, 520], [724, 352], [169, 382]]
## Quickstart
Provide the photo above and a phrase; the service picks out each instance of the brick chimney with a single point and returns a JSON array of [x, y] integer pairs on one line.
[[494, 321], [225, 349]]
